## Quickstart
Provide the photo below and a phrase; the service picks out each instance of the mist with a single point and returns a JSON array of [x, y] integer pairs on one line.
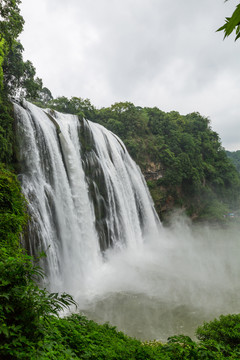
[[168, 285]]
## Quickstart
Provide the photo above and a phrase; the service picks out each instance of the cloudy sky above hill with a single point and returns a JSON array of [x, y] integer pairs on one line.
[[150, 52]]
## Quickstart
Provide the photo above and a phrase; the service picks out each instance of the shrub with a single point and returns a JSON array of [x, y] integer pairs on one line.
[[222, 333]]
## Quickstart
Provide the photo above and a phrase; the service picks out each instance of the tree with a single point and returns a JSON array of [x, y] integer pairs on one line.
[[45, 95], [75, 105], [17, 77], [11, 24], [232, 23]]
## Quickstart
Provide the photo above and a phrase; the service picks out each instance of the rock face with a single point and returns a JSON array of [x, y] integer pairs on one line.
[[153, 171], [165, 199]]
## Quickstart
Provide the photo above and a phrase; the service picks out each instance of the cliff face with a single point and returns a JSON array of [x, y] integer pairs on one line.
[[153, 171], [168, 198], [164, 200]]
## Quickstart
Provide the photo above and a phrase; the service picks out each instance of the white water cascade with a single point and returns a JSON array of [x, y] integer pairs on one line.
[[91, 213], [85, 194]]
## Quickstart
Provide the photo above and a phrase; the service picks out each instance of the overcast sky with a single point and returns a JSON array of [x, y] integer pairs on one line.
[[149, 52]]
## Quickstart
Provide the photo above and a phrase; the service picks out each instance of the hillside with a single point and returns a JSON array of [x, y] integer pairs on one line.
[[180, 156]]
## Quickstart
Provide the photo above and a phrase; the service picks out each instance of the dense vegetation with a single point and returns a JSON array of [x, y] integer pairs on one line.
[[183, 159], [234, 156]]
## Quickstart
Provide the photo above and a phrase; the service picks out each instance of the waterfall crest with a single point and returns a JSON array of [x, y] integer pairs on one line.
[[85, 194]]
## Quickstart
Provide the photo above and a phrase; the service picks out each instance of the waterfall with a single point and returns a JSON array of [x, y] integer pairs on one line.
[[85, 194], [91, 213]]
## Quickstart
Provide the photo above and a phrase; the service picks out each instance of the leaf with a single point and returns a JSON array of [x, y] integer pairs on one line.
[[232, 23]]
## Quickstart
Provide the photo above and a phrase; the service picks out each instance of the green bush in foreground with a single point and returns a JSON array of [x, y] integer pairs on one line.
[[75, 337], [222, 333]]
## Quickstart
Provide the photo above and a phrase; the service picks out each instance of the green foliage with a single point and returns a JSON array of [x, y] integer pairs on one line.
[[6, 132], [78, 106], [222, 334], [11, 22], [75, 337], [44, 96], [213, 210], [234, 156], [89, 340], [232, 23], [19, 75], [183, 347], [12, 210], [24, 307], [225, 330]]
